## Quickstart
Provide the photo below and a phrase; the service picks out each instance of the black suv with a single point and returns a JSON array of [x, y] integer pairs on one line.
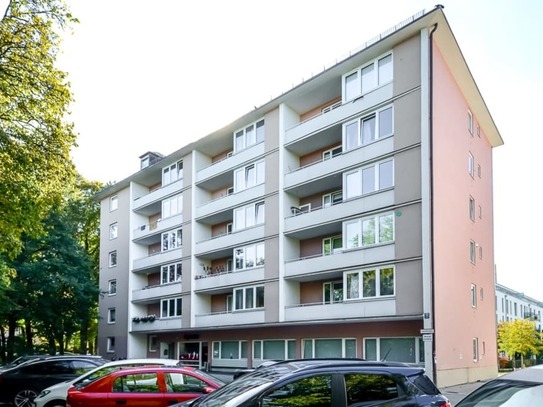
[[21, 384], [328, 382]]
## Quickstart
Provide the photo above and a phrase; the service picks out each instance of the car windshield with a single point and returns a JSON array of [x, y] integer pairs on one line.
[[505, 393]]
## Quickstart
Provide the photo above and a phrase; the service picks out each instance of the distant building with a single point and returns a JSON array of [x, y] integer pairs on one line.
[[511, 305], [351, 216]]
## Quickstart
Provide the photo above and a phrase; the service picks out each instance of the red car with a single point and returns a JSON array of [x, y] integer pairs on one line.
[[144, 386]]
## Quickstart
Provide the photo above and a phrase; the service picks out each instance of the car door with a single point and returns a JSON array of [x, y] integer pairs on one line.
[[182, 387], [136, 390]]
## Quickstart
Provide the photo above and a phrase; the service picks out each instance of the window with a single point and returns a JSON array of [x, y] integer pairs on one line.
[[369, 179], [331, 244], [153, 343], [315, 391], [370, 389], [112, 287], [113, 258], [249, 136], [249, 216], [326, 155], [472, 251], [184, 383], [332, 292], [368, 231], [329, 348], [172, 173], [248, 298], [171, 273], [172, 239], [473, 296], [249, 176], [136, 383], [480, 253], [111, 316], [278, 349], [113, 231], [230, 350], [377, 282], [402, 349], [113, 203], [471, 162], [170, 308], [368, 77], [172, 206], [480, 212], [470, 122], [332, 199], [367, 129], [471, 208], [479, 171], [249, 256], [475, 349], [110, 344]]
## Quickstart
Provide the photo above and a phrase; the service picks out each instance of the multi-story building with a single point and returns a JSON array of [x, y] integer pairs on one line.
[[351, 216], [511, 305]]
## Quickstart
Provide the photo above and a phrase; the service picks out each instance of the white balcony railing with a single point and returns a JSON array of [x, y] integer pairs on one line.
[[163, 324], [148, 294], [352, 309]]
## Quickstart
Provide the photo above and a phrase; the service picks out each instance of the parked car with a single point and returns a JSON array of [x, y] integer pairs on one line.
[[21, 384], [55, 396], [158, 386], [242, 372], [328, 382], [520, 388]]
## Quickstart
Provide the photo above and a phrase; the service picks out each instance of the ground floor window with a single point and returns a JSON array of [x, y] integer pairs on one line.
[[230, 350], [274, 349], [409, 350], [329, 348]]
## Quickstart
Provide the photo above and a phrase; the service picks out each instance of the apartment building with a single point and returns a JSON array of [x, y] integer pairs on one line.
[[512, 305], [351, 216]]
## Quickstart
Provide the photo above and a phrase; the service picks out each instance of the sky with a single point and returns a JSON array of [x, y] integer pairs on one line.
[[155, 75]]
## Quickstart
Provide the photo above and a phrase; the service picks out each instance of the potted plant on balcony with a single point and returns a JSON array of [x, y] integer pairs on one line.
[[137, 320], [151, 317]]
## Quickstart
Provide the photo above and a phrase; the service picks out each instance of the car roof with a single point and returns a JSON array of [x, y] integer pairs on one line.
[[299, 364], [529, 374], [148, 361], [149, 369]]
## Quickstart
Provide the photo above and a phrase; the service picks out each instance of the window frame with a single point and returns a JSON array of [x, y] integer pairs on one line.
[[249, 176], [358, 293], [247, 140], [309, 346], [376, 115], [360, 180], [330, 288], [475, 344], [243, 252], [111, 315], [418, 344], [472, 208], [172, 206], [249, 216], [256, 297], [112, 287], [470, 122], [332, 152], [172, 311], [172, 238], [332, 196], [473, 295], [113, 231], [359, 89], [153, 343], [330, 241], [110, 344], [166, 272], [367, 227], [112, 259], [471, 165], [472, 251], [175, 168], [113, 203]]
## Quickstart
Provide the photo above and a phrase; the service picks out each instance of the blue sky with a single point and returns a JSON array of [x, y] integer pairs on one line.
[[158, 74]]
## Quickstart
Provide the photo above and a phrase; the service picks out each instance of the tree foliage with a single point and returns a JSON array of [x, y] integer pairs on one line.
[[35, 138], [519, 336]]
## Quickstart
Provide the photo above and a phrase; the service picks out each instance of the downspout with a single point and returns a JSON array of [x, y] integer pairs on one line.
[[431, 186]]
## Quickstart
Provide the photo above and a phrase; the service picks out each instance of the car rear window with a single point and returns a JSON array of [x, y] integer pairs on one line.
[[424, 384], [369, 388]]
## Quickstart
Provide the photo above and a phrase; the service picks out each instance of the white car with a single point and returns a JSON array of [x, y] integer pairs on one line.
[[55, 396]]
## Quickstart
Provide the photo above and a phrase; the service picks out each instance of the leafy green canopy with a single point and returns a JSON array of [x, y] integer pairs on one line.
[[35, 139]]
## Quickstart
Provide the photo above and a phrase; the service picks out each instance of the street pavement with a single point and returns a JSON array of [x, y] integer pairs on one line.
[[459, 391]]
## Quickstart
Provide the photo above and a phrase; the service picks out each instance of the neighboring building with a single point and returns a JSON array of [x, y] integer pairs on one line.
[[352, 216], [511, 305]]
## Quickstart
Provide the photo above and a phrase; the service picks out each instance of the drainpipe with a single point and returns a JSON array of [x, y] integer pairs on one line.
[[431, 175]]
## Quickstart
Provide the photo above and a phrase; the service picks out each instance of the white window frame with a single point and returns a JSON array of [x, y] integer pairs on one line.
[[472, 255], [172, 206], [249, 216], [113, 203], [174, 308], [331, 199], [473, 293], [330, 241], [309, 346], [419, 347], [112, 259], [113, 231], [362, 226], [248, 256], [153, 343], [241, 352], [379, 79], [260, 353], [172, 238], [470, 122], [359, 128], [249, 298], [249, 176], [110, 346], [471, 164], [475, 349], [472, 208], [111, 315], [172, 173], [357, 293], [166, 273], [332, 286], [355, 178], [332, 152], [112, 287], [249, 135]]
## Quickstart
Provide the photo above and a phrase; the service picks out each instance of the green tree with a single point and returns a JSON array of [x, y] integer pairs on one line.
[[35, 138], [519, 336]]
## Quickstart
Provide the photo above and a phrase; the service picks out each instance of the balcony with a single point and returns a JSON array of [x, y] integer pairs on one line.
[[217, 282], [152, 202], [157, 259], [230, 240], [162, 324], [207, 211], [150, 233], [154, 293], [319, 266], [339, 311], [223, 319]]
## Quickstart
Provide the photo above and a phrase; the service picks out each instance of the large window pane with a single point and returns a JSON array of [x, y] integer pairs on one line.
[[250, 135], [385, 122], [352, 235], [386, 283], [328, 348], [370, 349], [350, 348], [249, 298], [351, 86], [368, 78], [353, 283], [368, 130], [368, 180], [260, 256], [385, 70], [385, 174], [351, 136], [368, 231], [386, 229], [260, 131], [398, 349], [314, 391], [307, 348], [353, 184], [259, 297], [230, 350], [274, 350], [368, 284]]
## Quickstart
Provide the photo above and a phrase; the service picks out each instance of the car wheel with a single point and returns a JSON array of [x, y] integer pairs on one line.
[[24, 398]]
